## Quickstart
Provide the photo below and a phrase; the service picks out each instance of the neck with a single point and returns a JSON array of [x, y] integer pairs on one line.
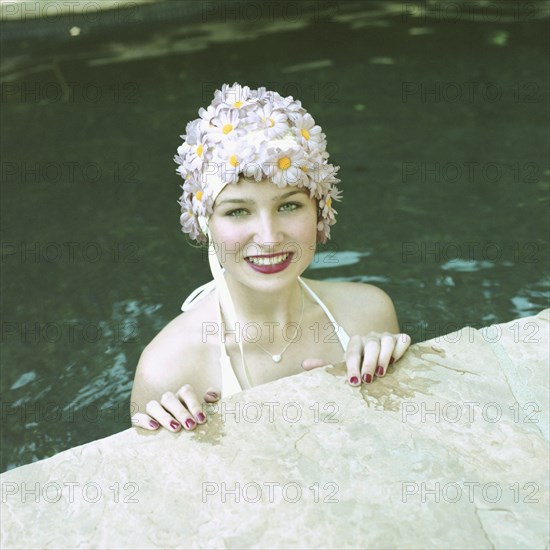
[[282, 306]]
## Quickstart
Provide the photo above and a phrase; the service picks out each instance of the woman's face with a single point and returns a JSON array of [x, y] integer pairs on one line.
[[264, 236]]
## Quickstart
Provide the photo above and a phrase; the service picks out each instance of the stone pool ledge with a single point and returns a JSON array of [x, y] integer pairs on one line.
[[449, 450]]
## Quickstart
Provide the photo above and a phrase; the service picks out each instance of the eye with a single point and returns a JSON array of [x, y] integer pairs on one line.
[[237, 213], [290, 206]]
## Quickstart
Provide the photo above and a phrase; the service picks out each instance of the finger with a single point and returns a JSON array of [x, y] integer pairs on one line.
[[310, 364], [403, 341], [175, 407], [142, 420], [154, 409], [212, 394], [371, 352], [353, 359], [187, 394], [387, 347]]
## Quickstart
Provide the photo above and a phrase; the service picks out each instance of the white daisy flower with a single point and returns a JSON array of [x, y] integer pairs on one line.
[[325, 205], [188, 223], [323, 178], [200, 203], [293, 105], [323, 227], [196, 197], [196, 155], [262, 96], [279, 102], [182, 171], [252, 168], [180, 157], [188, 218], [224, 126], [308, 169], [283, 166], [182, 152], [206, 117], [336, 193], [233, 97], [307, 132], [272, 121], [233, 157], [192, 132]]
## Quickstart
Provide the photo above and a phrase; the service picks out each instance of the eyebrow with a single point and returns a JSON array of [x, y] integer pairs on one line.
[[275, 199]]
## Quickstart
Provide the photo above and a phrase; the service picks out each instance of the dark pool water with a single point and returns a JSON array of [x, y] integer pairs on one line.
[[439, 124]]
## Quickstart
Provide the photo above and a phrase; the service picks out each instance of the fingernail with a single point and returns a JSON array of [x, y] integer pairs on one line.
[[367, 378], [212, 394], [190, 423], [154, 424], [354, 380], [392, 360], [380, 371], [201, 417], [174, 425]]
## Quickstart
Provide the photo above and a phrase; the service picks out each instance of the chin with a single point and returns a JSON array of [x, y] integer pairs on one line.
[[266, 278]]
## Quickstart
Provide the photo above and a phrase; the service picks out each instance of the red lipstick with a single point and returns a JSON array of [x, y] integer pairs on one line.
[[269, 269]]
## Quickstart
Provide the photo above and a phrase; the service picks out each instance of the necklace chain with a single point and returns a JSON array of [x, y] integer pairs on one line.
[[278, 356]]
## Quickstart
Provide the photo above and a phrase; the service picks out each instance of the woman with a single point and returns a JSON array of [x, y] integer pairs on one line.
[[259, 190]]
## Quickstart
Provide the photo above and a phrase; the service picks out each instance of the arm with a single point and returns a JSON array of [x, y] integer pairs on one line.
[[162, 394], [375, 341]]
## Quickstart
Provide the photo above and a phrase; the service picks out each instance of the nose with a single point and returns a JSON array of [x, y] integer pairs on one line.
[[269, 230]]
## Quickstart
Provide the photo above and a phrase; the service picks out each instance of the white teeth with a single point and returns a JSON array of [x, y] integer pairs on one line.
[[269, 261]]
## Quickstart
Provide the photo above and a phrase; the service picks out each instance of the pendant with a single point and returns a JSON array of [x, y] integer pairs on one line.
[[276, 358]]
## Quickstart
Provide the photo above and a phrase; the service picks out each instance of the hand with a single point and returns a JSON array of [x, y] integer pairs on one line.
[[368, 356], [175, 410]]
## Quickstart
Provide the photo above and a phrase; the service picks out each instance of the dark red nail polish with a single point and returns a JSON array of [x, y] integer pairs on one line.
[[380, 371], [201, 417], [367, 378], [154, 424], [190, 423], [174, 425], [354, 380], [392, 361]]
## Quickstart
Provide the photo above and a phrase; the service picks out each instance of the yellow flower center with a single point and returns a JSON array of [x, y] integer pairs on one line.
[[304, 168], [233, 160], [329, 202], [227, 128], [199, 150], [199, 195], [271, 123], [305, 133], [284, 163], [238, 104]]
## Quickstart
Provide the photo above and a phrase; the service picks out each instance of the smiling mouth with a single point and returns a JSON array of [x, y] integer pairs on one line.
[[272, 259]]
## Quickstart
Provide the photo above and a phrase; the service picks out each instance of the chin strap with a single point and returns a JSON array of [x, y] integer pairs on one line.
[[230, 384]]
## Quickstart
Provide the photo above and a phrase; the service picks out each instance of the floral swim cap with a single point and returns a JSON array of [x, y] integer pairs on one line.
[[256, 134]]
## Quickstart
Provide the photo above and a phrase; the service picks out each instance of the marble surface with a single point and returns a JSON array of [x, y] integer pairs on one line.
[[449, 449]]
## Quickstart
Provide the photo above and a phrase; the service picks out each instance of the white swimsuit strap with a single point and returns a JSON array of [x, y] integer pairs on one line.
[[230, 383], [198, 294], [340, 331]]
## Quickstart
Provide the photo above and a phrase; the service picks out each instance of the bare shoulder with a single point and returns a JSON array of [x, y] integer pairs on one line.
[[359, 307], [179, 354]]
